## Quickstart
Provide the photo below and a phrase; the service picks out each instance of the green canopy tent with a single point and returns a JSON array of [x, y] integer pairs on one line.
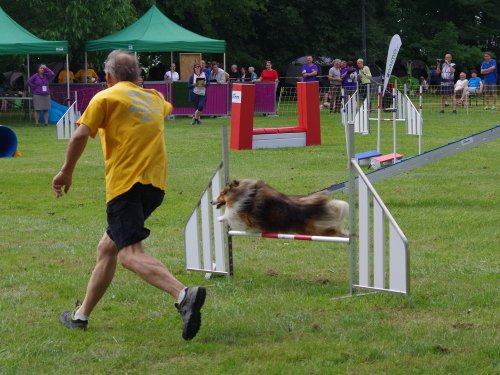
[[154, 32], [15, 40]]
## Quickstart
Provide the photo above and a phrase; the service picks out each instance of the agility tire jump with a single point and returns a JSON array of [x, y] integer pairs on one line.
[[378, 258]]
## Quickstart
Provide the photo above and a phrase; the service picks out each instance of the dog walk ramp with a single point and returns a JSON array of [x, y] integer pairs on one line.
[[424, 158]]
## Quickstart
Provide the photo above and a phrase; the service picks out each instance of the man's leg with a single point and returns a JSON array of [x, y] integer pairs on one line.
[[149, 269], [99, 282], [454, 101], [102, 275], [190, 300], [487, 95], [37, 117]]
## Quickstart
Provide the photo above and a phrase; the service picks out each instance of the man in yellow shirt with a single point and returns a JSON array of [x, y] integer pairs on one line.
[[64, 73], [130, 123], [90, 76]]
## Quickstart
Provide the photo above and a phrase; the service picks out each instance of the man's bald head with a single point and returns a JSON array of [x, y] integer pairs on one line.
[[122, 66]]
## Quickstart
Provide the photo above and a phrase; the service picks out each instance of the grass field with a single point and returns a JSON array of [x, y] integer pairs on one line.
[[278, 314]]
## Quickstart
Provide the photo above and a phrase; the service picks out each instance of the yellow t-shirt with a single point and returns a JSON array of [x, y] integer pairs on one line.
[[61, 78], [130, 122], [91, 76]]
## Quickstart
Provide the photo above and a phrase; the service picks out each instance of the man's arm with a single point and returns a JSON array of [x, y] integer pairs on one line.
[[75, 149], [488, 70], [367, 72]]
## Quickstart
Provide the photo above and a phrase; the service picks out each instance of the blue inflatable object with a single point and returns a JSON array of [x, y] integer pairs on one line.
[[56, 111], [8, 142]]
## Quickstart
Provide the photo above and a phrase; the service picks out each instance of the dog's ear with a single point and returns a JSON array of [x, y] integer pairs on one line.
[[234, 183]]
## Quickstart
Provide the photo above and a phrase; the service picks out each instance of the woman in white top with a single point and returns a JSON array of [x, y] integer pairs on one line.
[[197, 92], [461, 91]]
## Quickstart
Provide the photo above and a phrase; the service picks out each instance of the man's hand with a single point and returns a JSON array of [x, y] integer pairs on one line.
[[60, 181]]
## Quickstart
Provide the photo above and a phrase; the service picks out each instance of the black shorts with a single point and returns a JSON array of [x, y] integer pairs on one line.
[[128, 212], [446, 89]]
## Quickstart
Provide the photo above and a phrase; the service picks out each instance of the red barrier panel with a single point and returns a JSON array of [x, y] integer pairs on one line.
[[308, 108], [244, 137], [242, 116]]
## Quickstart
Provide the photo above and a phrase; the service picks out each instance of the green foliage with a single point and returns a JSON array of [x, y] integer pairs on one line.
[[72, 20], [280, 30]]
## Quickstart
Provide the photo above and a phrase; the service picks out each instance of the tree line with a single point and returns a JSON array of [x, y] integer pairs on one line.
[[279, 30]]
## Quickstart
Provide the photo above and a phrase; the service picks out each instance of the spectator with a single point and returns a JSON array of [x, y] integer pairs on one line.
[[475, 83], [253, 75], [447, 71], [349, 79], [335, 86], [206, 68], [65, 75], [269, 74], [136, 172], [364, 76], [86, 75], [489, 72], [460, 91], [197, 90], [423, 82], [171, 75], [434, 77], [343, 64], [234, 74], [39, 83], [217, 74], [309, 70], [244, 76]]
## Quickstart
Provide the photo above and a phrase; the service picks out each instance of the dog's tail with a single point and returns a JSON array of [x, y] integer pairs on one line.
[[342, 208]]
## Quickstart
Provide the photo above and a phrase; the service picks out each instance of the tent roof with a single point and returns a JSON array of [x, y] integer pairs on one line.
[[154, 32], [14, 39]]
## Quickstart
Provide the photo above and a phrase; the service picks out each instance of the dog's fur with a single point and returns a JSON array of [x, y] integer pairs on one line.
[[252, 205]]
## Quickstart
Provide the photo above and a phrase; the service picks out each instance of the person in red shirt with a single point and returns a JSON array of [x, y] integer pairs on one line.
[[268, 74]]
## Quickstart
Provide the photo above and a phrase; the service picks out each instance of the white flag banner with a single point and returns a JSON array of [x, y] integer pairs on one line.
[[392, 54]]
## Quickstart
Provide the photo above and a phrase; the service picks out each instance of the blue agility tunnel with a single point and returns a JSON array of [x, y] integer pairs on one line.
[[8, 142], [56, 111]]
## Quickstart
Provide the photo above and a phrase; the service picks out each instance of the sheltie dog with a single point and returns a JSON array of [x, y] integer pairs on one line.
[[252, 205]]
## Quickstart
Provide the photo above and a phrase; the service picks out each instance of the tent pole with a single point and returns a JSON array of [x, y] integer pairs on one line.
[[68, 100], [85, 67], [224, 68], [28, 62], [170, 84]]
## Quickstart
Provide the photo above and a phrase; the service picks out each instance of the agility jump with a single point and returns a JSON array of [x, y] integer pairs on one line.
[[403, 110], [66, 125], [245, 137], [209, 244]]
